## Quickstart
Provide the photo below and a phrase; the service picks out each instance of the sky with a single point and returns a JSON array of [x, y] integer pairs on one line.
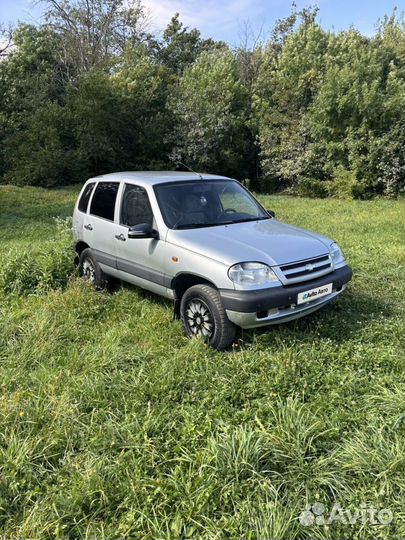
[[227, 19]]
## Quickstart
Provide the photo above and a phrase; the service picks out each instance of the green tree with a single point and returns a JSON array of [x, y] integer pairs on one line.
[[43, 152], [209, 109], [119, 121], [143, 85], [32, 87], [329, 108], [356, 119], [180, 46], [57, 130], [288, 81], [94, 33], [91, 91]]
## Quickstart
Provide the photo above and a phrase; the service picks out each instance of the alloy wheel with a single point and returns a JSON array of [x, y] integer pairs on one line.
[[199, 318], [88, 270]]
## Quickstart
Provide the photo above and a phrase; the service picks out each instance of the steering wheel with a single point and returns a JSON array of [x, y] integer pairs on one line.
[[225, 212]]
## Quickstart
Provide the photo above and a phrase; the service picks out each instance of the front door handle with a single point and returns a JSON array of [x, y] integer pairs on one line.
[[89, 227], [120, 237]]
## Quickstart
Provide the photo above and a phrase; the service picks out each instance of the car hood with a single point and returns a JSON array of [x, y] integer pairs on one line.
[[268, 241]]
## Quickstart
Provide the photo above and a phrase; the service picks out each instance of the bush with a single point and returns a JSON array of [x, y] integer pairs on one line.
[[41, 153], [26, 271], [343, 185], [307, 187]]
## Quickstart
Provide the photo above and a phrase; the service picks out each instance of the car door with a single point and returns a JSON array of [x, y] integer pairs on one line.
[[98, 226], [139, 260]]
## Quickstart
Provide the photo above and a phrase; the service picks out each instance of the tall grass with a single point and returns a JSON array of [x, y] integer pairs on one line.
[[113, 425], [27, 270]]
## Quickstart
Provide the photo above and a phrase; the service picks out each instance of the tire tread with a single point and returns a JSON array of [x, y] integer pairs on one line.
[[226, 331]]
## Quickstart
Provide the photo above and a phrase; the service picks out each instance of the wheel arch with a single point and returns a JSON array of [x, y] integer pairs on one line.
[[79, 248], [183, 281]]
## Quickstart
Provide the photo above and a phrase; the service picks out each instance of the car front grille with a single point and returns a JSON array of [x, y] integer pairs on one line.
[[307, 269]]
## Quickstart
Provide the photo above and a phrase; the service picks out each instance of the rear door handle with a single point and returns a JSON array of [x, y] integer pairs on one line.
[[120, 237], [89, 227]]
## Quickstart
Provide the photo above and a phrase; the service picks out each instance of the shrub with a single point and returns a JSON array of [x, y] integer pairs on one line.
[[343, 185], [307, 187], [40, 154], [27, 271]]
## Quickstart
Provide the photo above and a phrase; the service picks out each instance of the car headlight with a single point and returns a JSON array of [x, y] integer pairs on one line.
[[251, 273], [336, 253]]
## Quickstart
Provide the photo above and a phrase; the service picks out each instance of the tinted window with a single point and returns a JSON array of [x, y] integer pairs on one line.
[[205, 203], [84, 199], [103, 202], [135, 207]]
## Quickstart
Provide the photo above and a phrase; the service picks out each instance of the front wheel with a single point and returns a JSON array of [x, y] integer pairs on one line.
[[202, 314]]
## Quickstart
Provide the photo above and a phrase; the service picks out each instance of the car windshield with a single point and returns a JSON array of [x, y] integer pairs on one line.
[[206, 203]]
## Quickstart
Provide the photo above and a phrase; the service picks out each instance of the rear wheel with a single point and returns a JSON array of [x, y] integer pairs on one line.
[[90, 270], [203, 315]]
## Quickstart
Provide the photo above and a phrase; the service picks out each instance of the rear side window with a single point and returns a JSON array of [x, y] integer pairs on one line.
[[84, 199], [135, 208], [103, 202]]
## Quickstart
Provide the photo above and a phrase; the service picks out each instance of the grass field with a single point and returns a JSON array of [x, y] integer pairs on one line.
[[113, 425]]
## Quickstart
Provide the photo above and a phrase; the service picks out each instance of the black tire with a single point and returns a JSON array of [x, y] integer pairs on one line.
[[202, 314], [90, 270]]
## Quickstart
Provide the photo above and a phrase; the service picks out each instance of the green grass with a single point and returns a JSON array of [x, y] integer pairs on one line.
[[113, 425]]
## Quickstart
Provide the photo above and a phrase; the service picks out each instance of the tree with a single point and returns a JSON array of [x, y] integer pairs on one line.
[[95, 32], [143, 86], [31, 80], [356, 118], [180, 46], [288, 81], [6, 40], [42, 153], [92, 91], [118, 121], [209, 107]]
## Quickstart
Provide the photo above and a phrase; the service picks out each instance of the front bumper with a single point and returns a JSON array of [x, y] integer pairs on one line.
[[261, 307]]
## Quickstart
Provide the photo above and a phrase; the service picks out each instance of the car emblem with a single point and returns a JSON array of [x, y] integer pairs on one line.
[[309, 267]]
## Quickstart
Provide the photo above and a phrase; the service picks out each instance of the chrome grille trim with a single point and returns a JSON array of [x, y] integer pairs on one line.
[[307, 269]]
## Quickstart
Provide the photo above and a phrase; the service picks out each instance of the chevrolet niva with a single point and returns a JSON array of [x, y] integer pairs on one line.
[[204, 241]]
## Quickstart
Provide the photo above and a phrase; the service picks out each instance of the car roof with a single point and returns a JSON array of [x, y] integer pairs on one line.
[[156, 177]]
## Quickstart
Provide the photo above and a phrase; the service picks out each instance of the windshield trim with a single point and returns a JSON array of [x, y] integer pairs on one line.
[[207, 181]]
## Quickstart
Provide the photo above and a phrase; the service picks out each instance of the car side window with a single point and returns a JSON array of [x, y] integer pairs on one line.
[[135, 208], [103, 202], [84, 199]]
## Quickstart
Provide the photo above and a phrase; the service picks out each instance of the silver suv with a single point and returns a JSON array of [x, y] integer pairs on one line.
[[205, 242]]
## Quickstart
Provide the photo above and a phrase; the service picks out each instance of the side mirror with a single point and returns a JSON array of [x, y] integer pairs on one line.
[[271, 213], [143, 230]]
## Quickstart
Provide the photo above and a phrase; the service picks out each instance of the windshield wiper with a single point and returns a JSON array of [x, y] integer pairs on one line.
[[250, 219], [217, 224], [202, 225]]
